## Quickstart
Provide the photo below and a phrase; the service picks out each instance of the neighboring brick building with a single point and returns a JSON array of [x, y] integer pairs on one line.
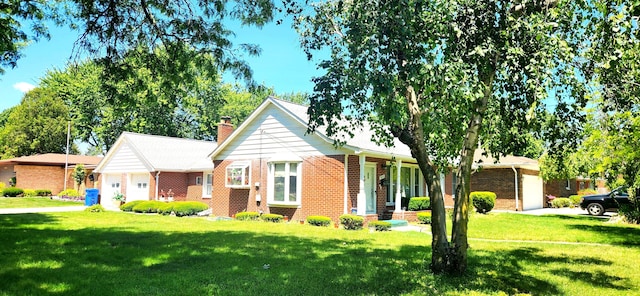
[[47, 171], [149, 167]]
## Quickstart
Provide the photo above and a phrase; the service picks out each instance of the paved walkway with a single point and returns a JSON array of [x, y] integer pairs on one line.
[[42, 210]]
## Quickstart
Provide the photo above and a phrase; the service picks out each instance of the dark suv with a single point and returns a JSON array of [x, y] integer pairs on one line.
[[597, 204]]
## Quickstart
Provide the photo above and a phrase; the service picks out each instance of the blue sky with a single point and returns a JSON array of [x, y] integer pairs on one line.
[[282, 64]]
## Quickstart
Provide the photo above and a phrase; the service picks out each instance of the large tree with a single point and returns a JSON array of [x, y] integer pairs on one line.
[[443, 76], [37, 126], [111, 28], [181, 99]]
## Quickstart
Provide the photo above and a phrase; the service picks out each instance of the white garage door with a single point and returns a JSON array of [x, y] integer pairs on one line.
[[532, 192], [138, 187], [110, 186]]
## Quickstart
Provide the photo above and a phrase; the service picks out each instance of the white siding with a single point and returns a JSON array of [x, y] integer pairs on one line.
[[124, 160], [273, 132], [532, 191]]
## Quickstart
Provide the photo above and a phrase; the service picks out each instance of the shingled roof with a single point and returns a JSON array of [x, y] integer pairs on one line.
[[54, 159]]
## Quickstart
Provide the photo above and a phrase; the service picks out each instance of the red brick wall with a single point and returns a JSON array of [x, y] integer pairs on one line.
[[177, 182], [500, 181], [41, 177], [322, 190]]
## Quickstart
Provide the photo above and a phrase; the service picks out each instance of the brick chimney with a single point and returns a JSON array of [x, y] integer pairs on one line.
[[225, 128]]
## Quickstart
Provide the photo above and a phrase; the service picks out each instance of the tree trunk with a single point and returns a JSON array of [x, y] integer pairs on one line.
[[414, 138], [459, 241]]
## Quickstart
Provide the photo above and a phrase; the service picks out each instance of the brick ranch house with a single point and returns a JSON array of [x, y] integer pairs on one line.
[[47, 171], [148, 167], [515, 180], [271, 165]]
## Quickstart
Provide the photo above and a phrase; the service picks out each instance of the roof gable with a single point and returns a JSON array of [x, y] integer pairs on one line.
[[160, 153], [360, 142]]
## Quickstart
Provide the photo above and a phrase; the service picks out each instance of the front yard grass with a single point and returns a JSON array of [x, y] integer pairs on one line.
[[35, 202], [117, 253]]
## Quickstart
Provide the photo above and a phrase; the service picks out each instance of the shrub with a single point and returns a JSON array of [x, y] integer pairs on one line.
[[12, 191], [631, 212], [148, 206], [69, 193], [319, 220], [29, 193], [561, 202], [43, 192], [94, 209], [587, 191], [247, 216], [187, 208], [351, 222], [128, 207], [419, 203], [380, 225], [483, 201], [272, 218], [2, 186], [424, 217], [574, 199]]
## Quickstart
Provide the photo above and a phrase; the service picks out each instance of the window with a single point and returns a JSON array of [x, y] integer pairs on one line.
[[568, 187], [198, 180], [237, 175], [411, 183], [284, 184], [207, 187], [142, 185]]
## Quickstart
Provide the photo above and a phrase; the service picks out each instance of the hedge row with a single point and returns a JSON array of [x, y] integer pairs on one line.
[[179, 208], [12, 191]]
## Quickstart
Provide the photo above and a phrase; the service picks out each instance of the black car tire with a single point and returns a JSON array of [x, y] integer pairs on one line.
[[595, 209]]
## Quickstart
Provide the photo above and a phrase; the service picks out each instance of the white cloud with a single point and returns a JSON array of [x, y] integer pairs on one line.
[[24, 87]]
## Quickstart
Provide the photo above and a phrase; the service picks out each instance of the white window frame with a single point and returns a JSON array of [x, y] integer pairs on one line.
[[206, 185], [199, 180], [568, 185], [245, 175], [271, 185], [391, 197]]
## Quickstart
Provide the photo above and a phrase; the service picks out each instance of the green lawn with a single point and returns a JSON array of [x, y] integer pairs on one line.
[[35, 202], [115, 253]]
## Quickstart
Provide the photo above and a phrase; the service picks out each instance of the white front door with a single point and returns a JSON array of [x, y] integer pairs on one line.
[[370, 187], [138, 187]]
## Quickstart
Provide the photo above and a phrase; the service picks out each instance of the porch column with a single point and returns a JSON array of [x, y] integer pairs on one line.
[[362, 197], [398, 202]]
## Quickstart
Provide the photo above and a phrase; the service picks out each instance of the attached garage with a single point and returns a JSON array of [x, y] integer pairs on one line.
[[147, 167], [515, 180]]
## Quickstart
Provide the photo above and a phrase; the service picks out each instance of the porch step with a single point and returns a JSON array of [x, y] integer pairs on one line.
[[397, 223]]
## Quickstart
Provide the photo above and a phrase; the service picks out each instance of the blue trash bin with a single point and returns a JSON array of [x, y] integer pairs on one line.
[[91, 197]]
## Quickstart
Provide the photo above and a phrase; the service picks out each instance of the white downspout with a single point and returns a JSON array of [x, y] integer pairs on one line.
[[157, 179], [346, 182], [516, 181]]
